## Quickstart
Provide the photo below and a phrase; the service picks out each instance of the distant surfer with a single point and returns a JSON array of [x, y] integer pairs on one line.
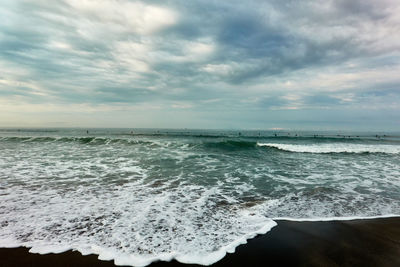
[[87, 131]]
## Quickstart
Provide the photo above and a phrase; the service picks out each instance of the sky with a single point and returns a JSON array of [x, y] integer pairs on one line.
[[273, 64]]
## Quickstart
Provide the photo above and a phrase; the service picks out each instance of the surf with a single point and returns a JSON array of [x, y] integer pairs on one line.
[[334, 148]]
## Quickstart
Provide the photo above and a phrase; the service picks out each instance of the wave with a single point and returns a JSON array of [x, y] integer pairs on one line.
[[231, 145], [334, 148], [82, 140], [224, 144], [228, 144]]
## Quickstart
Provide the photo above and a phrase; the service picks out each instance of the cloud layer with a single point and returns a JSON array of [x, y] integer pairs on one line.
[[228, 64]]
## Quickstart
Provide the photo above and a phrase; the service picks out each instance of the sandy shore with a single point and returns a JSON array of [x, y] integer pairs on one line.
[[374, 242]]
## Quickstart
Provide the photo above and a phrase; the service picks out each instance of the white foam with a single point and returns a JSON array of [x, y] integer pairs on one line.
[[133, 224], [335, 148], [44, 248], [201, 237]]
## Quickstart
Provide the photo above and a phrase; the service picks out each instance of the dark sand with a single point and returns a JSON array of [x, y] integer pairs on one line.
[[374, 242]]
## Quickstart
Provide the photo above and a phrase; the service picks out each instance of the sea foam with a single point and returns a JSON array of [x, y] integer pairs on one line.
[[334, 148], [132, 224]]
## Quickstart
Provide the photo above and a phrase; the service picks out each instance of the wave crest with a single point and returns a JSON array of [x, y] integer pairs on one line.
[[231, 144], [334, 148]]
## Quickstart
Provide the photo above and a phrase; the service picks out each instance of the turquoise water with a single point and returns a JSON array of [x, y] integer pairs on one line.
[[141, 195]]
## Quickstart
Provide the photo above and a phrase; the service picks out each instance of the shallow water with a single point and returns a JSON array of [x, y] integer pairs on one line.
[[190, 195]]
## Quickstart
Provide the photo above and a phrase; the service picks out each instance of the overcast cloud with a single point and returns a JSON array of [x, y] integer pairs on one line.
[[200, 64]]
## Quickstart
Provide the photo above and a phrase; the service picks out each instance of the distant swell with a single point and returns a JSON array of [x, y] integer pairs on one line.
[[334, 148], [82, 140], [230, 144], [221, 144]]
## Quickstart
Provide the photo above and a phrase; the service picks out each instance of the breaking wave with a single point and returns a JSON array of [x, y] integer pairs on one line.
[[334, 148]]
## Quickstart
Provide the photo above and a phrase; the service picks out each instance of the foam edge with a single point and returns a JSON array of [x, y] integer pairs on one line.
[[120, 259], [230, 248]]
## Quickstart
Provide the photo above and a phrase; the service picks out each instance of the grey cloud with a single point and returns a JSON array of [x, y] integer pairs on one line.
[[273, 102], [321, 100], [122, 95], [74, 55]]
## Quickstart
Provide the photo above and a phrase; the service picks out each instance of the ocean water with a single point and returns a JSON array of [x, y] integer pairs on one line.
[[191, 195]]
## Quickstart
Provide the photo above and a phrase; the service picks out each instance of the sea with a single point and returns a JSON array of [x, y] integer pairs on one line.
[[137, 196]]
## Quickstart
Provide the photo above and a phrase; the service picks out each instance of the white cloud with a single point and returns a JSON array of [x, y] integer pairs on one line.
[[199, 49], [182, 105], [218, 69], [138, 17], [132, 56]]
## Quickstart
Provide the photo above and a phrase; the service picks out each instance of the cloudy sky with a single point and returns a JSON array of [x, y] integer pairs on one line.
[[200, 64]]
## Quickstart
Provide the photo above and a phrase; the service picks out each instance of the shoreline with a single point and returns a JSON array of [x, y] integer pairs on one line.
[[353, 242]]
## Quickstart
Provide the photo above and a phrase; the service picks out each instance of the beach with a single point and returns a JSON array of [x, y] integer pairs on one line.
[[369, 242]]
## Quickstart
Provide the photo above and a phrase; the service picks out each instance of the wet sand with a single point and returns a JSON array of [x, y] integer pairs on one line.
[[374, 242]]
